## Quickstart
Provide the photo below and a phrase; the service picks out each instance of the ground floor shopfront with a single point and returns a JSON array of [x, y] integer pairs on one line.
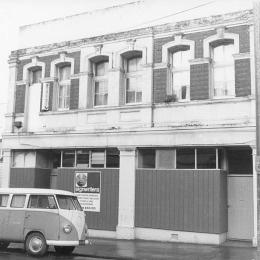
[[198, 193]]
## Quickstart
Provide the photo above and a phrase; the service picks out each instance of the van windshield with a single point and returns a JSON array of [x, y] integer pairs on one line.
[[68, 202]]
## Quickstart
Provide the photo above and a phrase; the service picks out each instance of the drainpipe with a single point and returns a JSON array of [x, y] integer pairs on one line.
[[256, 11]]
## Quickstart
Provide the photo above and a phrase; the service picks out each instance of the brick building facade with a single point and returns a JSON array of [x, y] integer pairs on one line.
[[166, 114]]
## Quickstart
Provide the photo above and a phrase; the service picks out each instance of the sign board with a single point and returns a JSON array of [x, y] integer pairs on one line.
[[87, 187]]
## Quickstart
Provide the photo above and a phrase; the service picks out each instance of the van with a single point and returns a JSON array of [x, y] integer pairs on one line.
[[40, 218]]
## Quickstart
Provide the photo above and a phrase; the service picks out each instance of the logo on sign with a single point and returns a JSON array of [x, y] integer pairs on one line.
[[81, 179]]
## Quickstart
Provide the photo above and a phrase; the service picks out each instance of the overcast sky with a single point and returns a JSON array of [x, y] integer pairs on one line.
[[15, 13]]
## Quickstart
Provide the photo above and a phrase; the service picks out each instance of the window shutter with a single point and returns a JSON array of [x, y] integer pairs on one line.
[[242, 77], [74, 94], [199, 81], [46, 96], [20, 98], [45, 87]]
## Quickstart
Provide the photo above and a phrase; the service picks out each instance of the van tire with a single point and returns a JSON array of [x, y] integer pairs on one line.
[[66, 250], [4, 244], [35, 244]]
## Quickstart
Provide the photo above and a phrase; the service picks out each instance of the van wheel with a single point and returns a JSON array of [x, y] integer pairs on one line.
[[64, 249], [4, 244], [35, 244]]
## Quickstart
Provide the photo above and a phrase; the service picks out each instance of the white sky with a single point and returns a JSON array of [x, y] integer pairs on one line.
[[15, 13]]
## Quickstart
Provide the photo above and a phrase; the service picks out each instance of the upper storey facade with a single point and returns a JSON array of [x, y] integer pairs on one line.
[[195, 73]]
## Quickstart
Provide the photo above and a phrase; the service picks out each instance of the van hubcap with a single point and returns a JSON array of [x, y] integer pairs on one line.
[[35, 244]]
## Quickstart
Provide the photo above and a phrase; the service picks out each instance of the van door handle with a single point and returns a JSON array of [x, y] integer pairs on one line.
[[27, 216]]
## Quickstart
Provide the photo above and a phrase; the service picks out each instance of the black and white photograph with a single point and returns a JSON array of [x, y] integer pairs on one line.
[[130, 129]]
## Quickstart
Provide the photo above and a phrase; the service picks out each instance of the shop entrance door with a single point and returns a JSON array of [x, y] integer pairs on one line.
[[240, 207]]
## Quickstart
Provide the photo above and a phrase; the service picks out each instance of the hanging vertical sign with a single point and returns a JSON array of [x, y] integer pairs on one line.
[[87, 187]]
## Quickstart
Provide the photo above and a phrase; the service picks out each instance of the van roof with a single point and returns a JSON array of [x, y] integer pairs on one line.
[[34, 190]]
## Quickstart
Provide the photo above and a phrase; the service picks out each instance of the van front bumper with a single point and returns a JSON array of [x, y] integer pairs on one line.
[[67, 243]]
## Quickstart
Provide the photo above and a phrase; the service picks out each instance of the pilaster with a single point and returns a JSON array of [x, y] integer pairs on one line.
[[9, 119], [7, 160], [126, 210]]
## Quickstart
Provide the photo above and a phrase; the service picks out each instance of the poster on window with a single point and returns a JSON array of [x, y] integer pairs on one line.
[[87, 187]]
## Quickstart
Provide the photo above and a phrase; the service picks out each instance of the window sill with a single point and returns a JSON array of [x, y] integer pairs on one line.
[[206, 101]]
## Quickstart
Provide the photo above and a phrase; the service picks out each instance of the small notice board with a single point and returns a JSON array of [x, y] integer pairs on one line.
[[87, 187]]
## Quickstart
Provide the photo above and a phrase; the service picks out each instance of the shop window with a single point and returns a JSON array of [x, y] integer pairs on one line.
[[185, 158], [180, 72], [68, 158], [100, 83], [24, 159], [223, 70], [3, 200], [98, 159], [112, 158], [18, 201], [83, 158], [146, 158], [206, 158], [240, 161], [56, 159], [64, 73], [165, 158]]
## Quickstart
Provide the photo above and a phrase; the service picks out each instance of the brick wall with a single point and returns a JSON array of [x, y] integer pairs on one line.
[[20, 68], [47, 60], [199, 81], [198, 38], [158, 43], [242, 77], [76, 57], [74, 94], [19, 98], [159, 85], [244, 37]]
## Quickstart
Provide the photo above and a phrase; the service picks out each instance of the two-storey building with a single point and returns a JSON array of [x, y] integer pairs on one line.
[[165, 113]]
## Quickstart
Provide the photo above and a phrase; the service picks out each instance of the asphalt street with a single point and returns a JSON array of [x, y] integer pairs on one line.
[[20, 254]]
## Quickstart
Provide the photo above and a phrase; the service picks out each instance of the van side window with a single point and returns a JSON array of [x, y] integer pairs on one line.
[[3, 200], [42, 202], [18, 201], [65, 202]]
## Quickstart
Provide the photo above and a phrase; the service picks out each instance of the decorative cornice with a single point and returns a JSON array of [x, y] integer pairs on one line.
[[211, 21]]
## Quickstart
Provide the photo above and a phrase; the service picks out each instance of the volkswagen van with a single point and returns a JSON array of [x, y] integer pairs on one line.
[[40, 218]]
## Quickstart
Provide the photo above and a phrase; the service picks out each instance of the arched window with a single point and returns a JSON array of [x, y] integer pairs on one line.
[[223, 72], [133, 80], [63, 75], [132, 61], [180, 72], [100, 78]]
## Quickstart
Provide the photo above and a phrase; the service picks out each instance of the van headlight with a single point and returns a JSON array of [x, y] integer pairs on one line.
[[67, 229]]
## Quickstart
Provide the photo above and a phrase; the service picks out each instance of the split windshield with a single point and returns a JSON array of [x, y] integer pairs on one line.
[[68, 202]]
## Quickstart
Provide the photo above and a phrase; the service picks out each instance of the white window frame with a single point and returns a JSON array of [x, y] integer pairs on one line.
[[221, 35], [226, 93], [97, 78], [167, 50], [174, 70], [131, 75], [66, 93]]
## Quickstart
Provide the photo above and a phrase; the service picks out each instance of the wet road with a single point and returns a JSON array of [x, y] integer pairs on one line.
[[143, 250], [20, 254]]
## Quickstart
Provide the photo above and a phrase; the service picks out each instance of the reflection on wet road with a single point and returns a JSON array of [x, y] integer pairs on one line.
[[20, 254]]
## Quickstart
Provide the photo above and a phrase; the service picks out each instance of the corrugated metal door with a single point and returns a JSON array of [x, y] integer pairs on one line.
[[240, 207]]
